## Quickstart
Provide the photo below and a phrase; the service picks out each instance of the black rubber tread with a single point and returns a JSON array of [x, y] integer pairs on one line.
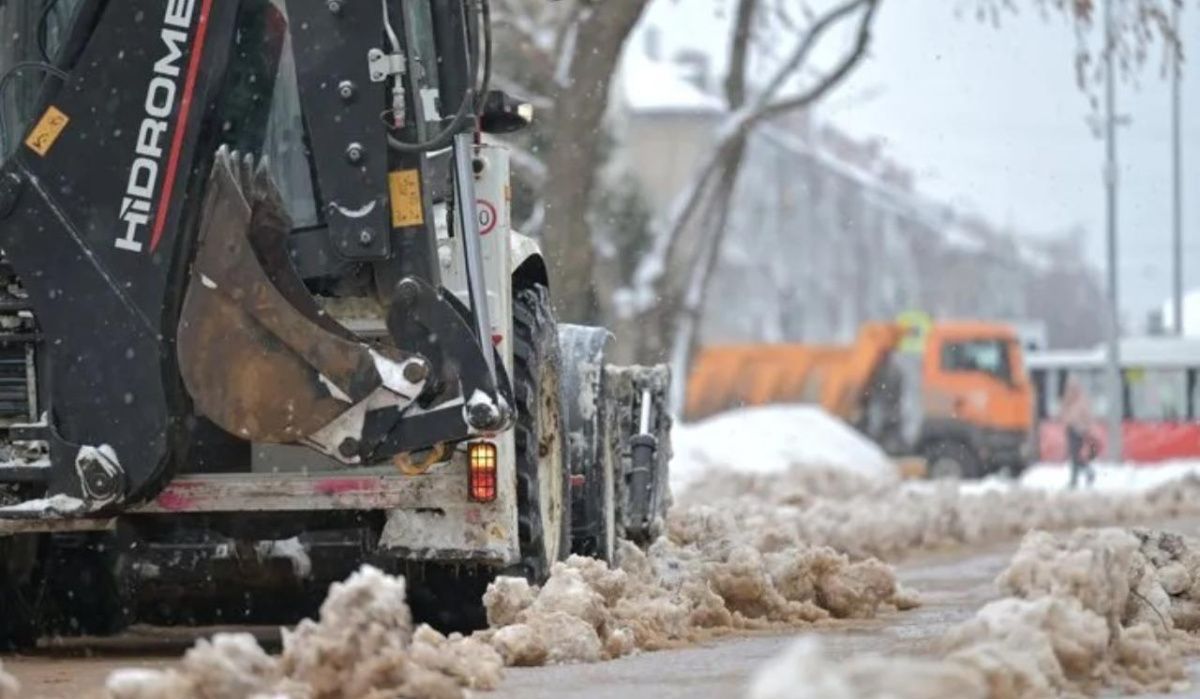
[[18, 630], [85, 583], [587, 450], [19, 624], [972, 467], [590, 523], [536, 358]]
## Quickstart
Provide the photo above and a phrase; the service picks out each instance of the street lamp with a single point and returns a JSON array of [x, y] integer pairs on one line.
[[1176, 181], [1115, 448]]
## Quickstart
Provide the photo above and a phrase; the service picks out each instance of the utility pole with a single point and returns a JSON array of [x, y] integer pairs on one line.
[[1115, 408], [1176, 181]]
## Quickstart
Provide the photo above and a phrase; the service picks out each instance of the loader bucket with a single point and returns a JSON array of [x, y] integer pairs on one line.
[[268, 233], [256, 354]]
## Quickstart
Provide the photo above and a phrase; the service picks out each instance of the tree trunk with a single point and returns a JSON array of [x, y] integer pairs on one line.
[[574, 152], [689, 312]]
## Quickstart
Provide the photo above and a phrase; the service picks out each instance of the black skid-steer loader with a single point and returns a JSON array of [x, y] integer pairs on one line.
[[263, 318]]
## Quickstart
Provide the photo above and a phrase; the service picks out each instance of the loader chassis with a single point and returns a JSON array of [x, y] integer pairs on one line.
[[260, 293]]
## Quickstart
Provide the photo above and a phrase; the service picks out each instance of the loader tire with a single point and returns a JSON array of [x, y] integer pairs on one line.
[[19, 627], [586, 422], [86, 585], [543, 485]]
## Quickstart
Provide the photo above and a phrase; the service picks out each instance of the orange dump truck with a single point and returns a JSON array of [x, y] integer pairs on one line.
[[954, 393]]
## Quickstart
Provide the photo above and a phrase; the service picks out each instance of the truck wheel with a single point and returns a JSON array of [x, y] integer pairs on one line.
[[952, 461], [543, 489]]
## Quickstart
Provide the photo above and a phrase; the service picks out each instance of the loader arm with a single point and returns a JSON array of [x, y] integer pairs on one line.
[[259, 277], [162, 264]]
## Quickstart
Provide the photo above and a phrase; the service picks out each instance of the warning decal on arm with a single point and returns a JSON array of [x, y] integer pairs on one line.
[[405, 189], [47, 131]]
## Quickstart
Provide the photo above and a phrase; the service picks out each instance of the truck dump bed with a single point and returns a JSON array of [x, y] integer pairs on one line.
[[836, 377]]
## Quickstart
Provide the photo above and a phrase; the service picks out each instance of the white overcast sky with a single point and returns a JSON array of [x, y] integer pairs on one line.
[[991, 120]]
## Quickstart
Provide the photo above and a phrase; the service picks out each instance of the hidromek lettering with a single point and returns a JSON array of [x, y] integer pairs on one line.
[[162, 95]]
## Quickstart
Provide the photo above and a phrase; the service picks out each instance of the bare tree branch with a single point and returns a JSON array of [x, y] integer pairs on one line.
[[834, 77], [1139, 26], [735, 80], [530, 165], [564, 42], [731, 136], [810, 39], [536, 221], [513, 15], [695, 294], [713, 187]]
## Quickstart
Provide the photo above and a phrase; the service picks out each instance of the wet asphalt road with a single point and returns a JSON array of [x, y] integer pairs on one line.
[[953, 586]]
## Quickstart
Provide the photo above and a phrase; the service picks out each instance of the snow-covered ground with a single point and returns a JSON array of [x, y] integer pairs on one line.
[[1111, 477], [772, 439]]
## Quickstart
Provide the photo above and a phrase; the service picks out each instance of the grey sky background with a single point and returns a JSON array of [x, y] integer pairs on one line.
[[992, 121]]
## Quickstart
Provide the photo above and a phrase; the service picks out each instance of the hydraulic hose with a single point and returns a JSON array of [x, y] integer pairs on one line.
[[4, 81], [471, 102]]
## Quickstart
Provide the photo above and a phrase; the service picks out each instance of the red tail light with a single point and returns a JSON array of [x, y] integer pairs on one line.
[[481, 465]]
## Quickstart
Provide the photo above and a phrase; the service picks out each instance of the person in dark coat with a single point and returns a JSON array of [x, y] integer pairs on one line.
[[1076, 416]]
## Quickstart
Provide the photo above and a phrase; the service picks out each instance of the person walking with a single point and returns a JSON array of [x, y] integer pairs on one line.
[[1076, 416]]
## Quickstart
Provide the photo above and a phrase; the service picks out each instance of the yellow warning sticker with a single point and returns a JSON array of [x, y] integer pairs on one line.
[[405, 186], [47, 131]]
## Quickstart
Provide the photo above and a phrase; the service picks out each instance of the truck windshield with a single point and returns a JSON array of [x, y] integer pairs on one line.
[[989, 356]]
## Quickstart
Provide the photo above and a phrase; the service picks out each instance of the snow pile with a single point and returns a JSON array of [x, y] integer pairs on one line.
[[1089, 609], [362, 646], [1093, 609], [9, 687], [863, 517], [771, 439], [1130, 577], [743, 564], [51, 506], [807, 671], [292, 550], [230, 665], [688, 584]]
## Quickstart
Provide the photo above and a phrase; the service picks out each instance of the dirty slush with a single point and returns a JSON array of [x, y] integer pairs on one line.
[[1085, 610]]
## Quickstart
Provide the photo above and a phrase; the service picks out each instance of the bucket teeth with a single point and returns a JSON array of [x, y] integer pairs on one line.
[[241, 164], [247, 163]]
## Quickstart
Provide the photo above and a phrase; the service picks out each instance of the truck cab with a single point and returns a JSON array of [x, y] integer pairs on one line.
[[976, 400]]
